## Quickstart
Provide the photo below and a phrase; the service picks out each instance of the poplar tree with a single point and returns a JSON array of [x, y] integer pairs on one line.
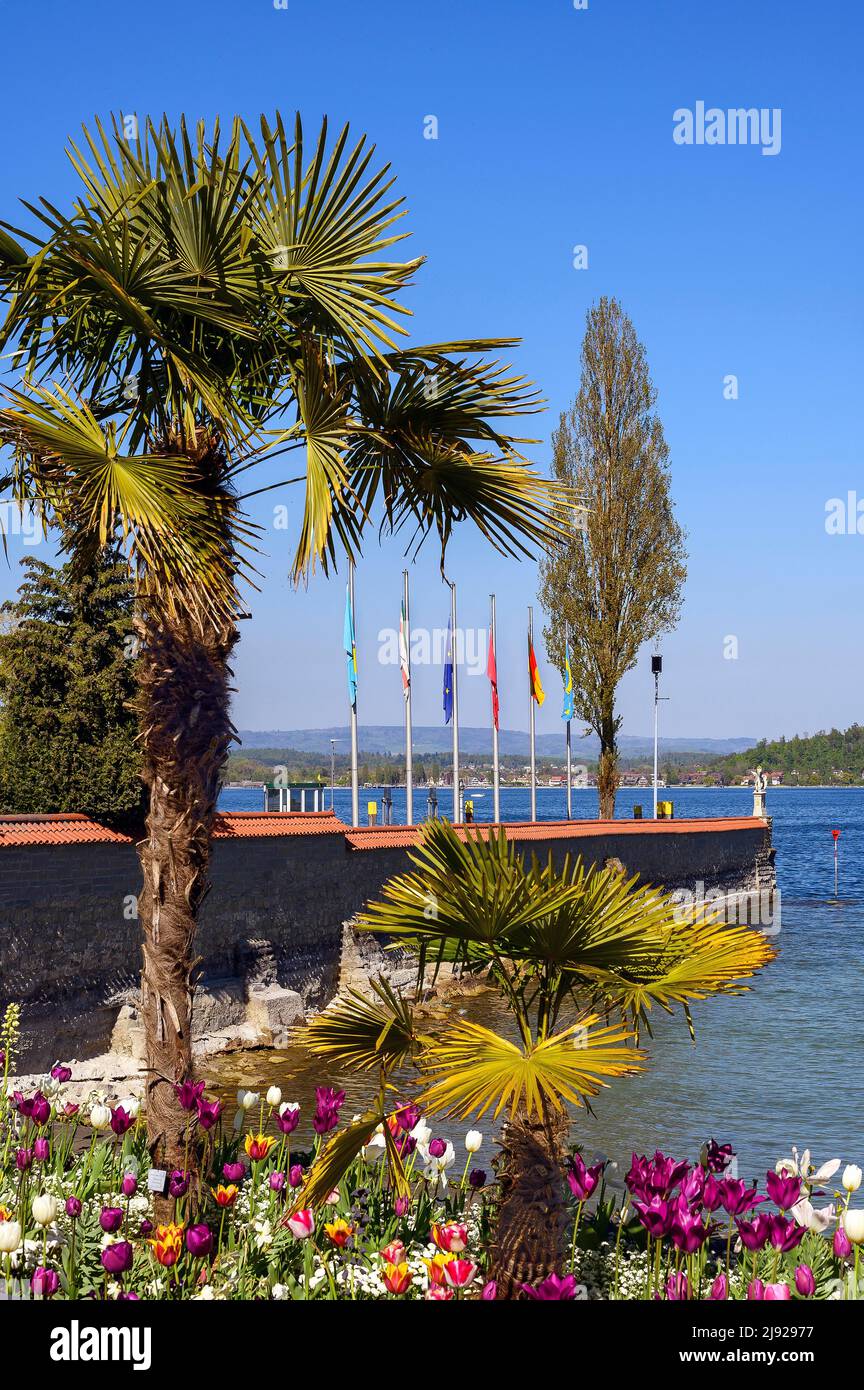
[[616, 583]]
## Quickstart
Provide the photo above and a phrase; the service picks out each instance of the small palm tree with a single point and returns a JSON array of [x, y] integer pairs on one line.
[[207, 305], [581, 956]]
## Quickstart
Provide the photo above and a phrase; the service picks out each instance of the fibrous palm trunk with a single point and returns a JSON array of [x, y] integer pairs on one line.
[[529, 1241], [183, 702]]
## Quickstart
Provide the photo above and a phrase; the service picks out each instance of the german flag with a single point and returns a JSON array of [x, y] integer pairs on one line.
[[537, 692]]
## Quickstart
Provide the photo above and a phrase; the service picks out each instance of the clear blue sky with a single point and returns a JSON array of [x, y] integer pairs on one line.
[[555, 129]]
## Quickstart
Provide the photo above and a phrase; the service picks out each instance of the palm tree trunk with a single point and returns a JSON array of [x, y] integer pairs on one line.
[[529, 1241], [183, 701]]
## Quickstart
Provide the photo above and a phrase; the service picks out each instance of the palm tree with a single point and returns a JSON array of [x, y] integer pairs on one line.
[[209, 304], [580, 956]]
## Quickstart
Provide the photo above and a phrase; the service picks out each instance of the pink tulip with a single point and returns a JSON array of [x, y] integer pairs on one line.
[[458, 1273], [301, 1224], [777, 1292]]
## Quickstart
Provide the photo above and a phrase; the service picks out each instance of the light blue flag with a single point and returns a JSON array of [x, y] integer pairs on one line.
[[350, 647], [568, 711]]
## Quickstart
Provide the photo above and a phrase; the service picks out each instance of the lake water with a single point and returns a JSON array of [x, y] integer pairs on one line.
[[778, 1065]]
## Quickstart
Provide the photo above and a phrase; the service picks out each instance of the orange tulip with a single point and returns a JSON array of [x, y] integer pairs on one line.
[[5, 1214], [435, 1267], [397, 1278], [167, 1244], [258, 1146], [225, 1196], [339, 1231]]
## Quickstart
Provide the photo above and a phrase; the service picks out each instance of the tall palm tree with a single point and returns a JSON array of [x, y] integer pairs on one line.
[[207, 304], [580, 956]]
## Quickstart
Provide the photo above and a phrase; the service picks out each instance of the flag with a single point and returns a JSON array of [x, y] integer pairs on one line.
[[568, 711], [403, 653], [350, 647], [448, 674], [534, 675], [492, 673]]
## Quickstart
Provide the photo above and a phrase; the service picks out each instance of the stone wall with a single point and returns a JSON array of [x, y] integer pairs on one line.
[[271, 930]]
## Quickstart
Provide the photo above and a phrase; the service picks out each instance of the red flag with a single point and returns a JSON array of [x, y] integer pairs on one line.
[[492, 673]]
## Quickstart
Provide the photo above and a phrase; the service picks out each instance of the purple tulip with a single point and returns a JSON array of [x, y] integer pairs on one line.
[[477, 1178], [719, 1289], [805, 1281], [189, 1093], [295, 1175], [145, 1229], [41, 1112], [438, 1148], [402, 1206], [737, 1197], [552, 1289], [693, 1185], [490, 1292], [120, 1120], [2, 1058], [842, 1245], [785, 1234], [755, 1234], [712, 1193], [117, 1258], [61, 1073], [44, 1282], [755, 1291], [289, 1119], [129, 1185], [73, 1207], [233, 1172], [178, 1183], [408, 1117], [328, 1102], [208, 1113], [41, 1150], [277, 1182], [655, 1177], [677, 1288], [23, 1159], [127, 1295], [583, 1181], [199, 1241], [655, 1216], [688, 1233], [718, 1156], [111, 1219], [783, 1189]]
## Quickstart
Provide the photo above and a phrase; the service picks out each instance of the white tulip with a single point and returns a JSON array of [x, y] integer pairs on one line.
[[473, 1141], [853, 1224], [100, 1116], [826, 1171], [274, 1096], [46, 1209], [421, 1133], [246, 1099], [295, 1105], [814, 1219], [10, 1237], [374, 1150], [239, 1120], [851, 1178], [131, 1106]]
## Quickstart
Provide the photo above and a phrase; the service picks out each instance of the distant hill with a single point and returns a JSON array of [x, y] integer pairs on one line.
[[832, 757], [429, 738]]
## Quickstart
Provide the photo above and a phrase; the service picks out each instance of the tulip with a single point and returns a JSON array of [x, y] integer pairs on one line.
[[435, 1268], [225, 1196], [61, 1073], [458, 1273], [438, 1148], [258, 1146], [477, 1178], [111, 1219], [121, 1120], [688, 1233], [712, 1193], [374, 1151], [655, 1216], [755, 1234], [277, 1182], [273, 1097], [853, 1224], [339, 1231], [129, 1185], [131, 1106], [851, 1177], [247, 1100], [737, 1198], [44, 1282], [233, 1172], [408, 1117], [473, 1141], [719, 1289], [841, 1244], [23, 1159], [167, 1244], [288, 1117], [295, 1175], [777, 1292], [41, 1150], [813, 1219], [785, 1234], [552, 1289], [397, 1278], [805, 1281], [199, 1241], [100, 1117], [755, 1290], [583, 1180], [301, 1224], [117, 1258], [45, 1209], [41, 1110], [394, 1253], [489, 1292], [328, 1103], [718, 1156], [178, 1183], [438, 1293], [189, 1093], [453, 1237], [783, 1189], [208, 1113], [421, 1133], [10, 1237], [677, 1288], [402, 1206], [73, 1207]]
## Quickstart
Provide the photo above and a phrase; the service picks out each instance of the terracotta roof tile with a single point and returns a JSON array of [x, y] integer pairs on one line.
[[70, 829], [402, 836], [233, 824]]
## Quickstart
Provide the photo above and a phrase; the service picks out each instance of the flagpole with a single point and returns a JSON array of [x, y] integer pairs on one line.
[[409, 760], [457, 799], [531, 718], [569, 763], [496, 771], [355, 783]]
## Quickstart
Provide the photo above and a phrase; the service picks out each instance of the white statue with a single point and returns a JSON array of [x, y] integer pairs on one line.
[[760, 786]]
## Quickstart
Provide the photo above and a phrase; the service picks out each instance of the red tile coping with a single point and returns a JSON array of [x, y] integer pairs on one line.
[[69, 829]]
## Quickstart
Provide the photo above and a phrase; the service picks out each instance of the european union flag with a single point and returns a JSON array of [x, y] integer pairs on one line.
[[448, 674]]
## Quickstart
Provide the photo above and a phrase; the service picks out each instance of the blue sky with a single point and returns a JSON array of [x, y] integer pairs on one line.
[[555, 130]]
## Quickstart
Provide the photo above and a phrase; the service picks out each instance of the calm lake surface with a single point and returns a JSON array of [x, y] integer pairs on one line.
[[777, 1066]]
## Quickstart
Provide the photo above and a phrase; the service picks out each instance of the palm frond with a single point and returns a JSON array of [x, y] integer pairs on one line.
[[360, 1033]]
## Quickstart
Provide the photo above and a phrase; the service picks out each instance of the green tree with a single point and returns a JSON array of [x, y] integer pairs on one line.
[[67, 677], [616, 584], [211, 301]]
